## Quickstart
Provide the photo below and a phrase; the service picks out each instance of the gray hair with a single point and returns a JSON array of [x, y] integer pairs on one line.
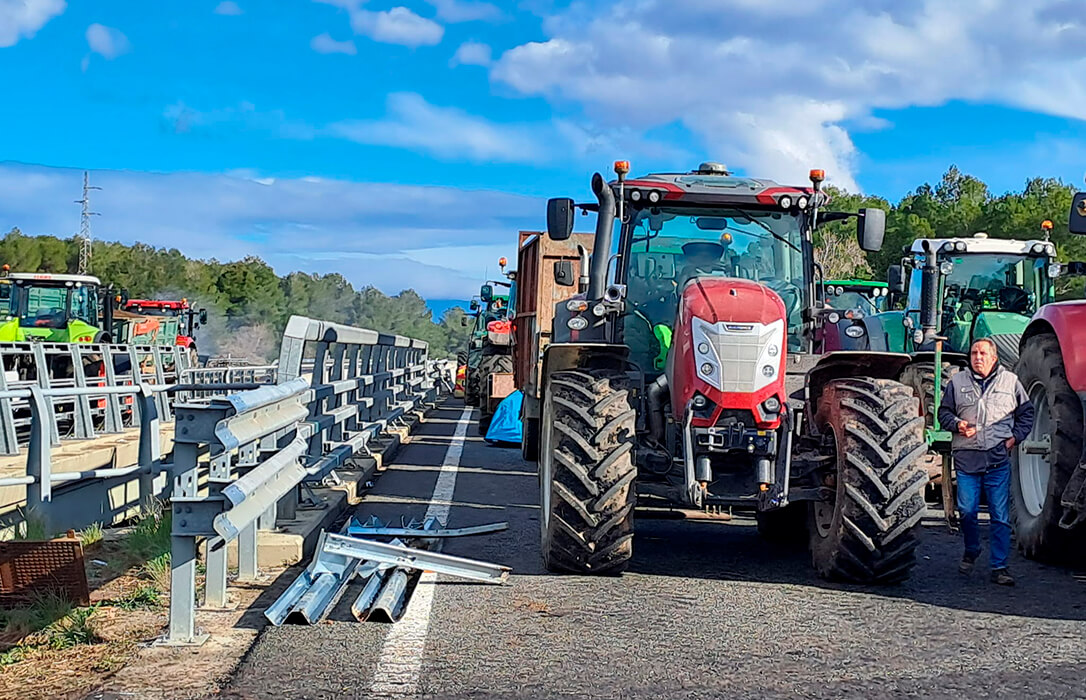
[[989, 342]]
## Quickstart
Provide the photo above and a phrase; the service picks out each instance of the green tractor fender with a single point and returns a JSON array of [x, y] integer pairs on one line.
[[886, 332], [12, 332]]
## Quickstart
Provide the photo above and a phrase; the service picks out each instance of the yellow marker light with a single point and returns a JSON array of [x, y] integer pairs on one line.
[[1046, 225], [818, 175], [502, 262], [622, 167]]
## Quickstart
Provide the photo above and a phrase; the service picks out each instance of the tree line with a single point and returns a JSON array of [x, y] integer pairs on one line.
[[248, 304], [958, 205]]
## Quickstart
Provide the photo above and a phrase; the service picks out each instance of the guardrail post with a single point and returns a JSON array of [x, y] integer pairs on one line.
[[114, 421], [150, 447], [41, 365], [247, 552], [82, 420], [183, 553], [39, 494], [9, 440]]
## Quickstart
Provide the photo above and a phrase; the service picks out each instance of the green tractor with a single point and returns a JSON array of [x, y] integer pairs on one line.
[[490, 350], [956, 291], [55, 308]]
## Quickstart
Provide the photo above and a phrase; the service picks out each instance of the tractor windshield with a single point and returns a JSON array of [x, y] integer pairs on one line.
[[763, 246], [55, 306], [845, 299], [990, 282]]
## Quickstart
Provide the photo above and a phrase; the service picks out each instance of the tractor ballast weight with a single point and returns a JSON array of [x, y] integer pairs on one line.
[[695, 380]]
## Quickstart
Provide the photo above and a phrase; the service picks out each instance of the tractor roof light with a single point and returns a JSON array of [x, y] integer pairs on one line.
[[654, 196], [1046, 225], [802, 202], [622, 168], [1038, 248], [817, 175], [960, 246], [785, 201], [635, 195]]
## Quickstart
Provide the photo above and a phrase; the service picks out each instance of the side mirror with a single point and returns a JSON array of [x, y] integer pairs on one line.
[[474, 305], [203, 317], [486, 292], [464, 321], [563, 273], [895, 279], [1077, 222], [870, 229], [1074, 268], [559, 218]]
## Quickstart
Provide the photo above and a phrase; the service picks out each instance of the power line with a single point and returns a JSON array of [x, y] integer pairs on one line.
[[84, 227]]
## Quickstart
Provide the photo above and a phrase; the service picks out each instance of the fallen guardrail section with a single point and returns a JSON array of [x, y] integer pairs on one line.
[[385, 568], [263, 445]]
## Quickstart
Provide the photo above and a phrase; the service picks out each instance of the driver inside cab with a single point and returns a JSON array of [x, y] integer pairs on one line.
[[702, 258]]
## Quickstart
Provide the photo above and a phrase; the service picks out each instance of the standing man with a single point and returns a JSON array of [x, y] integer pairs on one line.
[[988, 412]]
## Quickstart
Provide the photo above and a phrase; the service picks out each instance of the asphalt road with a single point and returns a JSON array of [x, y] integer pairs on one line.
[[707, 610]]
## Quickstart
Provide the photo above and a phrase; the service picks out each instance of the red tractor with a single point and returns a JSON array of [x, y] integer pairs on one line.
[[189, 319], [689, 374], [1048, 484]]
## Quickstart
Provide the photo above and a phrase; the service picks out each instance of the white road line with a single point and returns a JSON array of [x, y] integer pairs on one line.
[[398, 668]]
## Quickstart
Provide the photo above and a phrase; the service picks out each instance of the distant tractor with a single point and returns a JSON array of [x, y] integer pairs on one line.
[[54, 308], [180, 330], [868, 296], [689, 375], [489, 377], [1048, 482]]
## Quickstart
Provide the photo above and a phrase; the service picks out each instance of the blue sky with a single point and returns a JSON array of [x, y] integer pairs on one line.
[[403, 143]]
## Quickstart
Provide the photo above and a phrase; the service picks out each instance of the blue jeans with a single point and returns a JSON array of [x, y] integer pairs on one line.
[[996, 483]]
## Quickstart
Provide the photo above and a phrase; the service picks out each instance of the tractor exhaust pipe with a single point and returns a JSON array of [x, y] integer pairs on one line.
[[657, 396], [605, 221], [929, 294]]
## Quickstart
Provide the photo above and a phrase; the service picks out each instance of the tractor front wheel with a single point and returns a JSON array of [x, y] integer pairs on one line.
[[865, 533], [586, 472]]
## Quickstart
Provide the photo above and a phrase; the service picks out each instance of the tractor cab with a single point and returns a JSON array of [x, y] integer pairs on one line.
[[51, 307], [981, 288]]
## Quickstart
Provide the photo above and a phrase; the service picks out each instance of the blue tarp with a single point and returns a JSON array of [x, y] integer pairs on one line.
[[505, 426]]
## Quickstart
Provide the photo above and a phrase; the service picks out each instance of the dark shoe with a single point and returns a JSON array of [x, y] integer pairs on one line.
[[966, 567], [1002, 577]]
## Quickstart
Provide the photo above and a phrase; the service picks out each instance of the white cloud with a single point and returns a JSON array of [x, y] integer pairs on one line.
[[391, 236], [324, 43], [767, 84], [466, 11], [396, 26], [107, 41], [471, 53], [228, 7], [21, 19], [445, 132]]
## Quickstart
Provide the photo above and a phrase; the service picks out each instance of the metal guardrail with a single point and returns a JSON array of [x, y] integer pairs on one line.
[[264, 443]]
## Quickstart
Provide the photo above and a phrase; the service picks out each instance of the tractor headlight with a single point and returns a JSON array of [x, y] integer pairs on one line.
[[768, 370], [947, 247], [707, 369], [854, 331], [654, 197], [959, 246], [945, 268], [918, 336], [576, 305], [703, 348], [1050, 249], [771, 405], [833, 317], [1038, 248], [773, 350], [599, 310], [785, 201], [802, 202], [699, 401], [1054, 270], [635, 195], [577, 323]]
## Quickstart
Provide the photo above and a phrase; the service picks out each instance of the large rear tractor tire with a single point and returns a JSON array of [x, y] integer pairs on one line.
[[491, 364], [920, 377], [866, 533], [1038, 480], [586, 472]]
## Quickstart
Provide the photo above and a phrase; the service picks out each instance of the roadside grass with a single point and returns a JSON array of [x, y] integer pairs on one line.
[[92, 534], [48, 621]]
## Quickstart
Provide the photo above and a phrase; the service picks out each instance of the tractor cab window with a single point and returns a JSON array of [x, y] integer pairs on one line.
[[84, 305], [54, 307], [988, 282], [670, 246], [847, 299], [6, 309]]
